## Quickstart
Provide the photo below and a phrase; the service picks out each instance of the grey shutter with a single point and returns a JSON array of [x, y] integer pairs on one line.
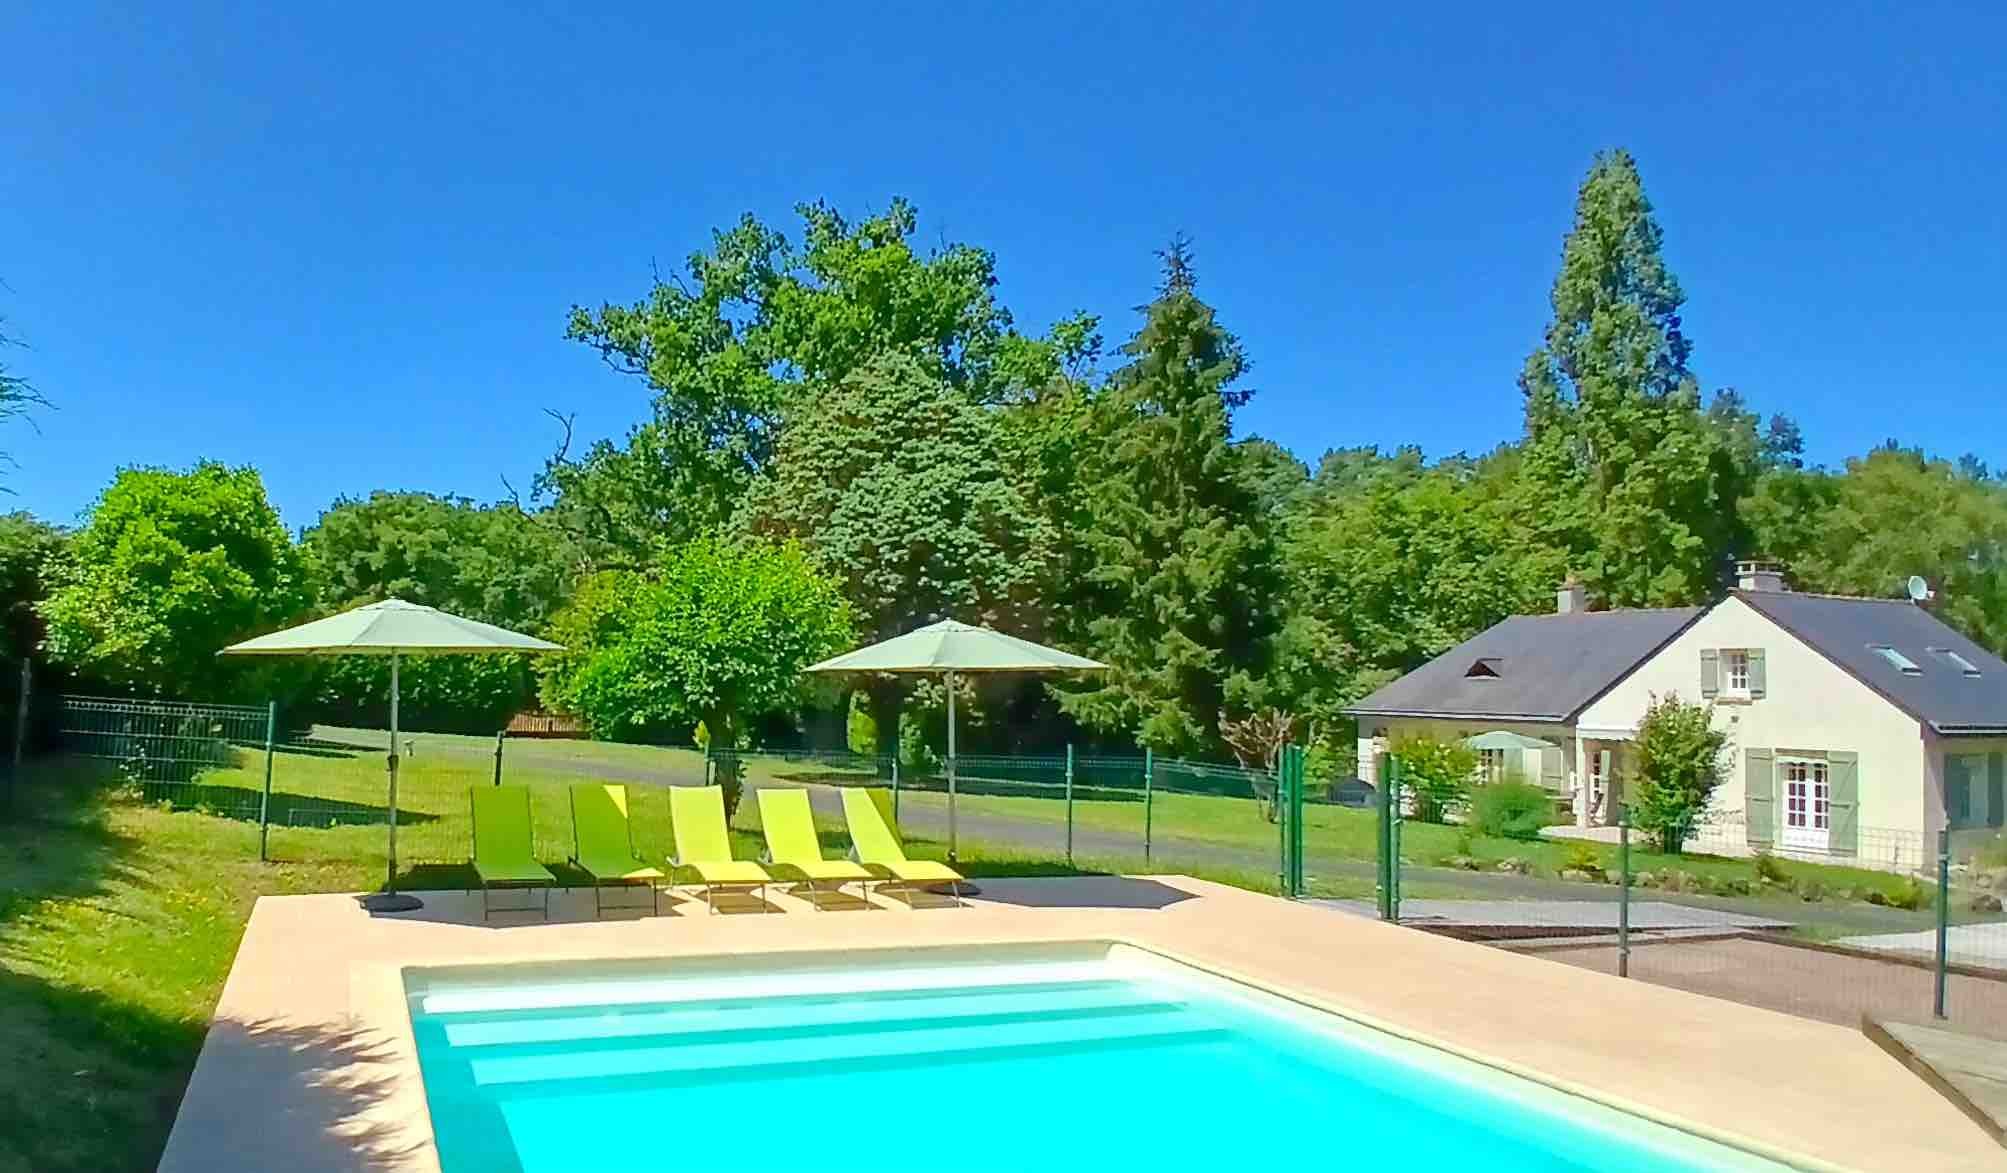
[[1710, 672], [1759, 796], [1843, 802], [1612, 797], [1553, 768], [1755, 672], [1957, 790], [1996, 789]]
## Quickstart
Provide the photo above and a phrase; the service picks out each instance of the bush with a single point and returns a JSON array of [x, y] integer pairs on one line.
[[1511, 810], [1583, 857], [861, 732], [1769, 870], [1436, 775], [1680, 759]]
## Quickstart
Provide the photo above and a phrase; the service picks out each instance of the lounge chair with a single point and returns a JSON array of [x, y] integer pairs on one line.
[[705, 846], [874, 843], [504, 851], [792, 848], [602, 840]]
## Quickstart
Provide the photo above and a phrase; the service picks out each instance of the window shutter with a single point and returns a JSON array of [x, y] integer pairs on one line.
[[1843, 777], [1996, 789], [1755, 672], [1759, 796], [1957, 790], [1710, 673]]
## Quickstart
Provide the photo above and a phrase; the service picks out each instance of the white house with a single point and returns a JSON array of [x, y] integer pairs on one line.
[[1859, 727]]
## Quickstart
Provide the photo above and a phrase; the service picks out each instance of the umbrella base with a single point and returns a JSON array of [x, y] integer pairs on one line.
[[391, 902]]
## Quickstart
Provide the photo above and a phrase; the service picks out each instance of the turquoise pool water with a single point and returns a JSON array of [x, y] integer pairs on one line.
[[1084, 1065]]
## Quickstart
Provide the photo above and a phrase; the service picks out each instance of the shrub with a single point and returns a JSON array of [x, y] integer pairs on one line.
[[1436, 775], [1769, 870], [1680, 762], [1511, 809], [861, 731], [1582, 857]]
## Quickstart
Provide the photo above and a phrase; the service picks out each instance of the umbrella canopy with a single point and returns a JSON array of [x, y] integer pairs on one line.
[[391, 628], [949, 646], [950, 649], [1501, 739], [388, 628]]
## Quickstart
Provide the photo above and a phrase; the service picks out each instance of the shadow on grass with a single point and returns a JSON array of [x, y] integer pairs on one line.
[[54, 842], [286, 809]]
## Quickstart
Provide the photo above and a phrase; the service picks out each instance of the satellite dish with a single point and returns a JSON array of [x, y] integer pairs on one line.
[[1919, 590]]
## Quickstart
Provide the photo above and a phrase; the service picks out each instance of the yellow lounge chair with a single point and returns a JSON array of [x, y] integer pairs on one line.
[[697, 815], [504, 852], [874, 843], [602, 842], [792, 848]]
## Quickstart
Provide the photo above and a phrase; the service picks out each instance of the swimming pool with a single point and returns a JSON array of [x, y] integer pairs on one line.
[[1105, 1058]]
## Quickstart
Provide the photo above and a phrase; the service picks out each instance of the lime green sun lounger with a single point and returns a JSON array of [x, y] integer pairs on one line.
[[504, 851], [792, 848], [602, 840], [875, 844], [703, 845]]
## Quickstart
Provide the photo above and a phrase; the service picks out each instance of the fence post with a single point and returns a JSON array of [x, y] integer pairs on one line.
[[1383, 839], [1276, 805], [20, 734], [265, 799], [1069, 804], [895, 789], [1624, 892], [1394, 868], [1149, 768], [1943, 917], [499, 735], [1302, 756]]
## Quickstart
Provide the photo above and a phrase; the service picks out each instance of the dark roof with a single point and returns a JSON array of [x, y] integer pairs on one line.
[[1940, 693], [1550, 667]]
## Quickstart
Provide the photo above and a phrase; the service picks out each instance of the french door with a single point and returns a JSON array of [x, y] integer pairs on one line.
[[1808, 799]]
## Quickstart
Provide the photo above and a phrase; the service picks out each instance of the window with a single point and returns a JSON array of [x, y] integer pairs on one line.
[[1491, 764], [1902, 663], [1808, 798], [1735, 672], [1952, 659]]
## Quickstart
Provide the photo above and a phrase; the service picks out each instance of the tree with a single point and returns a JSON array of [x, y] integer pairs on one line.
[[27, 546], [900, 485], [715, 633], [1886, 516], [17, 394], [1680, 762], [169, 568], [729, 349], [1623, 471], [1180, 599]]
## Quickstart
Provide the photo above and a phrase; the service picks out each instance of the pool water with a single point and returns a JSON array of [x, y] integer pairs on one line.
[[1100, 1065]]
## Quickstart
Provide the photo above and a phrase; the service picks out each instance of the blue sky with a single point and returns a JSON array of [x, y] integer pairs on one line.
[[340, 243]]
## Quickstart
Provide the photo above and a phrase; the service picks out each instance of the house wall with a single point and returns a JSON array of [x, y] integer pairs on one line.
[[1810, 705]]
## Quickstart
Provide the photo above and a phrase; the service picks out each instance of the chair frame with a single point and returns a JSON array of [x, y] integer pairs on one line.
[[599, 907]]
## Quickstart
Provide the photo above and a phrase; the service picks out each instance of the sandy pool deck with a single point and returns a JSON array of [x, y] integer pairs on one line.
[[308, 1065]]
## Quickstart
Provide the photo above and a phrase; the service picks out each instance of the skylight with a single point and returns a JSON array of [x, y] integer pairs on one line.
[[1904, 664], [1954, 660]]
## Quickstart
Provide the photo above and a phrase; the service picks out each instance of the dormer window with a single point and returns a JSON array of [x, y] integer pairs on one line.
[[1485, 668], [1900, 662], [1951, 659]]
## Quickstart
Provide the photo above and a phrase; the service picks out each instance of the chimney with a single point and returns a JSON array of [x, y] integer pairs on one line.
[[1572, 598], [1754, 575]]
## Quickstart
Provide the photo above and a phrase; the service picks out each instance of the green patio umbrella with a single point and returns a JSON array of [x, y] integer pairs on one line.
[[949, 649], [1503, 739], [391, 628]]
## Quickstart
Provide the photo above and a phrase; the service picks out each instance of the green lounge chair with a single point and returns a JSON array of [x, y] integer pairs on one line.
[[602, 841], [703, 845], [792, 848], [874, 843], [504, 852]]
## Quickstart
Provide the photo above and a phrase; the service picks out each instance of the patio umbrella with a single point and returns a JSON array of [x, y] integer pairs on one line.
[[950, 649], [391, 628]]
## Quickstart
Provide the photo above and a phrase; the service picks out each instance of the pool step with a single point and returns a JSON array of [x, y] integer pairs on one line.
[[797, 1018], [729, 1059]]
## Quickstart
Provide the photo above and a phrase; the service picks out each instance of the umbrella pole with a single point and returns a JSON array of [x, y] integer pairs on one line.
[[951, 767], [391, 900]]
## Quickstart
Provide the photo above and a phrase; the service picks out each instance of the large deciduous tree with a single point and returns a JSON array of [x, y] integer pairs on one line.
[[902, 486], [1624, 471], [17, 394], [169, 568], [1181, 594], [27, 547], [729, 348]]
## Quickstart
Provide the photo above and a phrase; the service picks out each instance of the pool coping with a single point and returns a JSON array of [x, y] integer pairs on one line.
[[391, 1129]]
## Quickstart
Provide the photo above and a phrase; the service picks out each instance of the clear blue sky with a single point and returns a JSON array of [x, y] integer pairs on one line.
[[340, 244]]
